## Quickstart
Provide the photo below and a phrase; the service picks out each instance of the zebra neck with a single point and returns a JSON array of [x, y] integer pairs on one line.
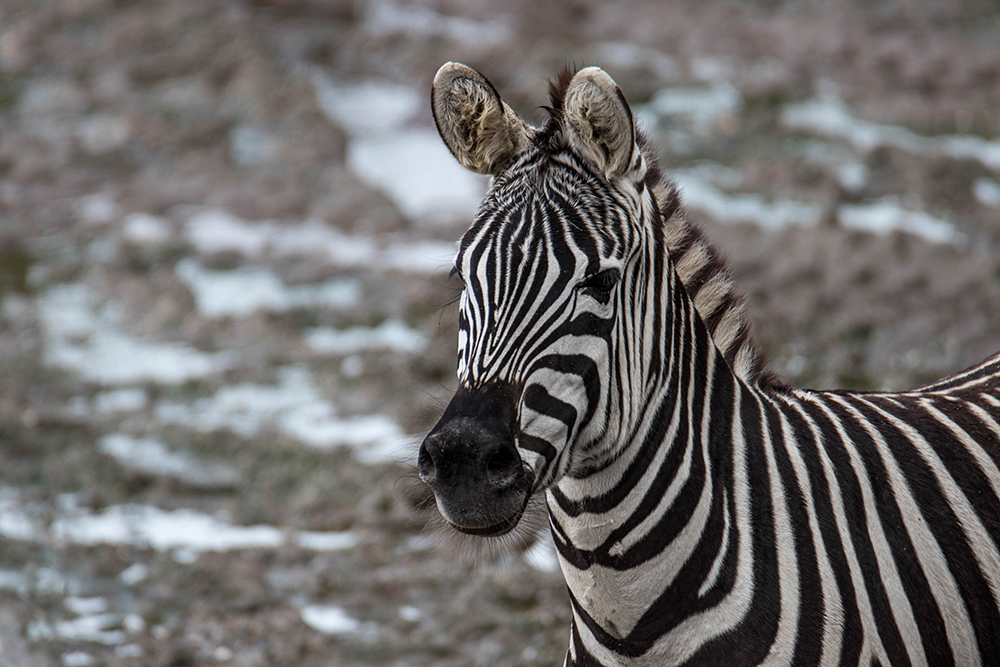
[[663, 529], [668, 443]]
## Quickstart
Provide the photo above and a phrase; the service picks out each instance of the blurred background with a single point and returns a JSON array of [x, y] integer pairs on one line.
[[225, 233]]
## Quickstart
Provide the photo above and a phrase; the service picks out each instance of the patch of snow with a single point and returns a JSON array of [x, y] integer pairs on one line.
[[223, 653], [77, 659], [987, 192], [111, 357], [411, 165], [152, 457], [853, 176], [326, 541], [985, 151], [129, 651], [12, 580], [141, 525], [244, 291], [315, 426], [15, 523], [82, 606], [699, 194], [244, 408], [420, 256], [133, 574], [391, 334], [50, 581], [133, 623], [630, 55], [410, 613], [97, 628], [146, 229], [711, 68], [416, 170], [383, 17], [215, 230], [130, 399], [102, 133], [315, 237], [329, 619], [701, 107], [83, 337], [828, 115], [886, 215], [367, 107], [250, 146], [98, 209], [352, 366], [352, 251], [294, 407]]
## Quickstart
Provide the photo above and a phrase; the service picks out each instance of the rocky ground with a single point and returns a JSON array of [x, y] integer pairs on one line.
[[225, 316]]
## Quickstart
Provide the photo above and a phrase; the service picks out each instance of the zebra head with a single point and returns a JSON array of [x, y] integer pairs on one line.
[[549, 267]]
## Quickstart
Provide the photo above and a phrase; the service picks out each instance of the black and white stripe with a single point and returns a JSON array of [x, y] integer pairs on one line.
[[703, 512]]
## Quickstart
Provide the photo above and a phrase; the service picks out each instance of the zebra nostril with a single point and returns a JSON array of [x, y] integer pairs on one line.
[[425, 465], [501, 463]]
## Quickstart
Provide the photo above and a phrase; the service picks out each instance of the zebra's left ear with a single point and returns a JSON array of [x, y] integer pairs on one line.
[[599, 121]]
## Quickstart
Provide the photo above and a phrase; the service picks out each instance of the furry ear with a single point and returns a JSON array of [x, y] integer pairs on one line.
[[599, 121], [480, 130]]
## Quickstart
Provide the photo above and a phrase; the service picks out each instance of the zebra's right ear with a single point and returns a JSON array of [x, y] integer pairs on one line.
[[480, 130], [599, 121]]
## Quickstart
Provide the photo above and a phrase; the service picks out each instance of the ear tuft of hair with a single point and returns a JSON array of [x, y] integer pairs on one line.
[[480, 130], [599, 121]]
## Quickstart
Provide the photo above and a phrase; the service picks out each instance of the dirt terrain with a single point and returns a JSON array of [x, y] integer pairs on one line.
[[225, 316]]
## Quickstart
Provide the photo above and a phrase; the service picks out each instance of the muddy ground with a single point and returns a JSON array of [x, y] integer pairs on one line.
[[222, 331]]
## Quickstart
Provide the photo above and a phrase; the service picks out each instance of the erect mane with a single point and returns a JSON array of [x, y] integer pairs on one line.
[[700, 267], [706, 278]]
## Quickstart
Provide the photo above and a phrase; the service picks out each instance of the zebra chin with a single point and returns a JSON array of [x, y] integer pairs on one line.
[[499, 529]]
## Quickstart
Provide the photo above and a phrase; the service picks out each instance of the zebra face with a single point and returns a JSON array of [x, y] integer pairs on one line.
[[544, 265]]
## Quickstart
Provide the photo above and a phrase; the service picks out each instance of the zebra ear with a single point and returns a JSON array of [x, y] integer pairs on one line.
[[480, 130], [599, 121]]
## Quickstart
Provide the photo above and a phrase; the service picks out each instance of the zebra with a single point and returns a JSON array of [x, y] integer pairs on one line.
[[703, 511]]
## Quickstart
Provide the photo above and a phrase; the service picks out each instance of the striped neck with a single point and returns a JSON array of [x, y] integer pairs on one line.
[[679, 474]]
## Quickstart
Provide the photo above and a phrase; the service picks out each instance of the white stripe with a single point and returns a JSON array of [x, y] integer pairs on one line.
[[899, 603], [713, 573], [833, 613], [872, 646], [988, 559], [689, 635], [783, 649], [961, 635]]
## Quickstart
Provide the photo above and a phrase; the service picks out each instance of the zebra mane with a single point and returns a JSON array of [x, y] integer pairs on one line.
[[700, 267]]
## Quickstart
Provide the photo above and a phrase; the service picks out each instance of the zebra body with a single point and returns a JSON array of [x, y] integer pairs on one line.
[[703, 512]]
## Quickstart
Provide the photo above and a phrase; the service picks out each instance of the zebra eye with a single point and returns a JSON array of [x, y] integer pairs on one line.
[[454, 272], [601, 282]]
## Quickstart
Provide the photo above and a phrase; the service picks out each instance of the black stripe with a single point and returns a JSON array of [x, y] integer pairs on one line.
[[977, 490], [928, 617], [852, 632]]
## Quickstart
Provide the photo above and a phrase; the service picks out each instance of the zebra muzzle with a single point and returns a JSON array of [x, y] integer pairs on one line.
[[471, 462]]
